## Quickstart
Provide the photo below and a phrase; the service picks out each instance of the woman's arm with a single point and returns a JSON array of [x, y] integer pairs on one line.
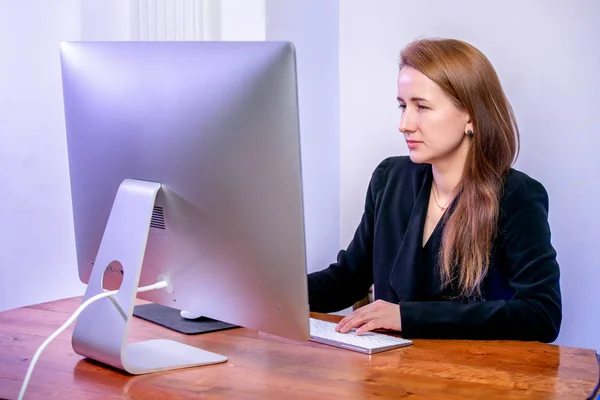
[[349, 279], [534, 312]]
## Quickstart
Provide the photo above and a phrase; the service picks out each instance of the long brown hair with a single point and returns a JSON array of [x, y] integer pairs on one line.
[[469, 79]]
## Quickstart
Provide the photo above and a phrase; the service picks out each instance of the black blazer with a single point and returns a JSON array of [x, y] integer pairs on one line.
[[521, 293]]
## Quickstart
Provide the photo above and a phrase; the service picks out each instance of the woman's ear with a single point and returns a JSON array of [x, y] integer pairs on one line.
[[469, 130], [469, 125]]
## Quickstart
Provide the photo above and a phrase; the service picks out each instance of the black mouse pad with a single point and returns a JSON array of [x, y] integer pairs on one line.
[[170, 318]]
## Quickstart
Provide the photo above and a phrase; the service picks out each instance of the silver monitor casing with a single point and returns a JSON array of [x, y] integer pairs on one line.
[[216, 125]]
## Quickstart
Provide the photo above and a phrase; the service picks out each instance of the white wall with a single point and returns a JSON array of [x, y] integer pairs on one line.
[[548, 57], [106, 19], [37, 243], [173, 20], [312, 25], [242, 19]]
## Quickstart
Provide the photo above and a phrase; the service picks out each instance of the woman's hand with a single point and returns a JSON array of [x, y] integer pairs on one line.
[[377, 315]]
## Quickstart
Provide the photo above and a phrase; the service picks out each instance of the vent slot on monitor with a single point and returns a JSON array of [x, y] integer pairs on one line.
[[158, 218]]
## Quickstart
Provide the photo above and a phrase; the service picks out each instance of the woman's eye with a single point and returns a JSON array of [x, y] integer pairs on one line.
[[402, 106], [423, 107]]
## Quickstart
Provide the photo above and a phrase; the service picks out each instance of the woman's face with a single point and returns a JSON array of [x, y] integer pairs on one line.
[[433, 126]]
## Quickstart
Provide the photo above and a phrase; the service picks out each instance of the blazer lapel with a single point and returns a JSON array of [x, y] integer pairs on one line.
[[408, 258]]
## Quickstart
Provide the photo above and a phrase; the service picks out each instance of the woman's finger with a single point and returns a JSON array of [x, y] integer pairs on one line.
[[371, 325], [354, 320]]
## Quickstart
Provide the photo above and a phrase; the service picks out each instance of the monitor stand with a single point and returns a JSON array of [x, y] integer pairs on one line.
[[101, 331]]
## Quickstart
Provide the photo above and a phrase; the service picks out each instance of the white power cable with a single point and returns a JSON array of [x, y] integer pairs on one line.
[[158, 285]]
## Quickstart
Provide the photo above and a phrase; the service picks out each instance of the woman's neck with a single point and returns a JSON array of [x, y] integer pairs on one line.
[[447, 174]]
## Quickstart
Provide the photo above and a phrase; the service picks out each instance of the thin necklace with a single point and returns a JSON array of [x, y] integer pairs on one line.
[[435, 198]]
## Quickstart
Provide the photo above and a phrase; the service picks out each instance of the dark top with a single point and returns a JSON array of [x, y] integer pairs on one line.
[[521, 297]]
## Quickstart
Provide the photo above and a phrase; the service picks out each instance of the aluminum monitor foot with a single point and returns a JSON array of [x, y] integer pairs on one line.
[[101, 331]]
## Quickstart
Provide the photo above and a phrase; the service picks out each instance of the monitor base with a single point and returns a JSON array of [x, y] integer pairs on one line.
[[101, 331]]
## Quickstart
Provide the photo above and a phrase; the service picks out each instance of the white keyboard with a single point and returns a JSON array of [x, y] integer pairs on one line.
[[369, 343]]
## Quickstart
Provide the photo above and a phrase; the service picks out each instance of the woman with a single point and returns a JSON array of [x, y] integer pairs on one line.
[[455, 241]]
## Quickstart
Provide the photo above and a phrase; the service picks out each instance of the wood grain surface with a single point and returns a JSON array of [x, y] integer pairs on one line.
[[263, 366]]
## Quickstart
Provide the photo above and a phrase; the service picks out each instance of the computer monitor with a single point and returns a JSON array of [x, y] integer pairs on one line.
[[184, 162]]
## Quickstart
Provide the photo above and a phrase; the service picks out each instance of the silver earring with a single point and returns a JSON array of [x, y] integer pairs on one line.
[[469, 133]]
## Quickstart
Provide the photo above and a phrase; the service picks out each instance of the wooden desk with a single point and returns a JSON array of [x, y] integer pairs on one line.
[[263, 366]]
